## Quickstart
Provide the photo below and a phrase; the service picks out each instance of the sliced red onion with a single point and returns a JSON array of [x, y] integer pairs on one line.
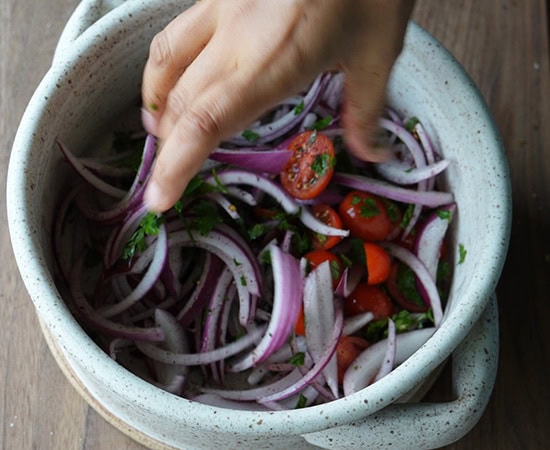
[[236, 176], [273, 130], [355, 323], [402, 173], [389, 357], [319, 317], [424, 277], [384, 189], [226, 205], [149, 278], [314, 224], [363, 370], [198, 359], [287, 298], [317, 369], [264, 160], [133, 197], [242, 195], [99, 323], [171, 377], [430, 236], [87, 175]]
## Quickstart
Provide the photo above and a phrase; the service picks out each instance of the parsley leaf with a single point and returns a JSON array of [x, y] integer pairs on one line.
[[444, 214], [298, 359], [369, 208], [250, 136], [462, 253], [149, 226], [322, 163], [321, 124], [299, 108], [256, 231]]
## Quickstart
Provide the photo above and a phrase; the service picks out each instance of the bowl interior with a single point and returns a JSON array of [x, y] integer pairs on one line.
[[81, 97]]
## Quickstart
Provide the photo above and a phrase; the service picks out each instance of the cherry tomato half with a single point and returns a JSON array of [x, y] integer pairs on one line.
[[378, 263], [300, 325], [317, 257], [328, 216], [366, 297], [368, 216], [309, 170], [347, 351]]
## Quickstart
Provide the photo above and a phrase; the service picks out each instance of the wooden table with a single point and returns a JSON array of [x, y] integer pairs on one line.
[[503, 44]]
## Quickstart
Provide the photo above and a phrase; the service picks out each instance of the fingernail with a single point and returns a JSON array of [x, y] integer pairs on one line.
[[149, 122], [152, 196]]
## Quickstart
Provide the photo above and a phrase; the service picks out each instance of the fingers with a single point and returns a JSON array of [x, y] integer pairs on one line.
[[367, 70], [171, 51]]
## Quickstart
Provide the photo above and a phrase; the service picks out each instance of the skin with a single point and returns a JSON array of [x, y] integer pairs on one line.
[[220, 64]]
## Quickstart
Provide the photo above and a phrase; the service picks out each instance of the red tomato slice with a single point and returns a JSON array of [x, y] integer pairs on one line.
[[368, 216], [317, 257], [366, 297], [310, 169], [300, 325], [347, 351], [378, 263], [330, 217]]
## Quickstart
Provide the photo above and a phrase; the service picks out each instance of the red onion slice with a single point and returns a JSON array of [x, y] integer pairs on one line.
[[384, 189], [363, 370], [287, 298], [424, 277]]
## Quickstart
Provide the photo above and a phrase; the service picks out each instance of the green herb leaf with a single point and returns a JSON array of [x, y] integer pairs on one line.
[[321, 124], [207, 217], [392, 209], [322, 163], [298, 359], [406, 282], [461, 253], [302, 401], [444, 214], [250, 136], [221, 187], [243, 280], [298, 108], [407, 215], [411, 123], [257, 230], [312, 138], [369, 208], [149, 226]]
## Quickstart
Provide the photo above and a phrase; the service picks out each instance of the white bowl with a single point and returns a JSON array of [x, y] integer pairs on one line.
[[95, 76]]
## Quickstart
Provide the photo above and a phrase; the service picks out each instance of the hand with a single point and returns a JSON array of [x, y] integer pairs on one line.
[[221, 64]]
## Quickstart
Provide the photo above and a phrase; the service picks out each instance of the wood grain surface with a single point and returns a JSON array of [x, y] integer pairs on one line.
[[503, 44]]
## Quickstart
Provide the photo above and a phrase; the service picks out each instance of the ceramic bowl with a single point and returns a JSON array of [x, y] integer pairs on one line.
[[94, 77]]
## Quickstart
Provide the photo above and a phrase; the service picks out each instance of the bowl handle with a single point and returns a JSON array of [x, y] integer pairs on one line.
[[431, 425], [83, 17]]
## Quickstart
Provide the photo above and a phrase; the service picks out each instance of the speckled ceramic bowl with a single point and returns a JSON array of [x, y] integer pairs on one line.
[[95, 76]]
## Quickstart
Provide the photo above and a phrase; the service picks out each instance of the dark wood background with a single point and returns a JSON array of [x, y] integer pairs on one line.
[[503, 44]]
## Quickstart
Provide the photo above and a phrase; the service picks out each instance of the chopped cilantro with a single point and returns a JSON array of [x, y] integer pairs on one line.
[[411, 123], [345, 260], [299, 108], [334, 269], [322, 163], [369, 208], [149, 226], [195, 183], [302, 401], [407, 216], [321, 238], [178, 206], [298, 359], [243, 280], [357, 252], [256, 231], [221, 187], [322, 123], [265, 257], [444, 214], [355, 200], [237, 262], [461, 253], [207, 217], [406, 282], [301, 242], [250, 136], [443, 271], [410, 169], [392, 209]]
